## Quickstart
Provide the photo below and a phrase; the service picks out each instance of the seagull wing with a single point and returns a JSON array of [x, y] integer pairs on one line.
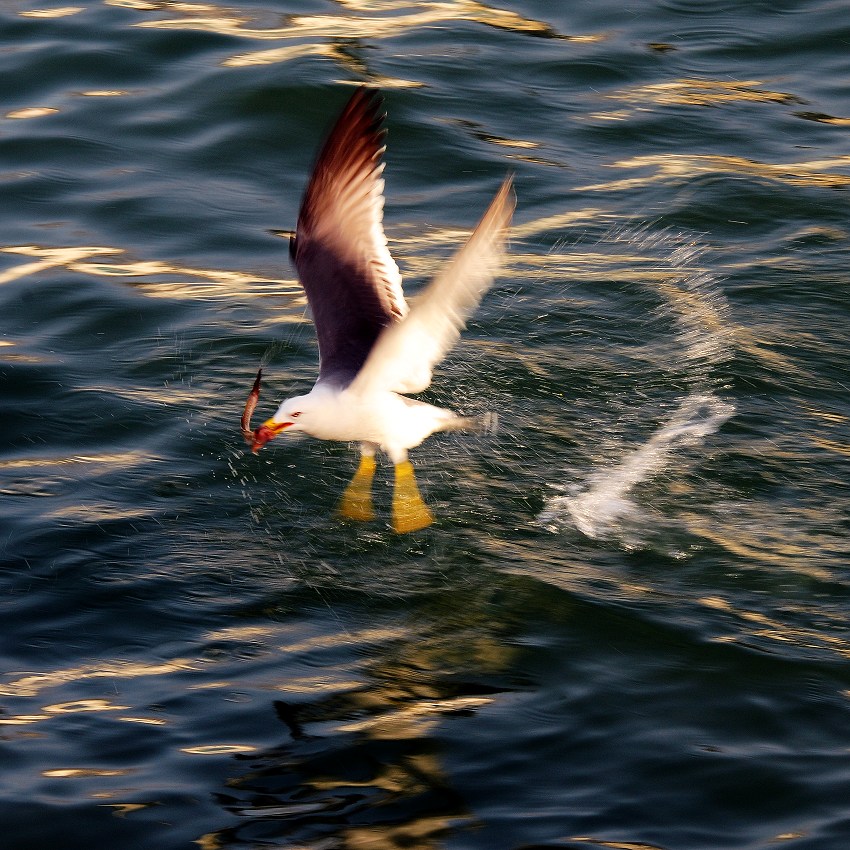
[[353, 285], [406, 352]]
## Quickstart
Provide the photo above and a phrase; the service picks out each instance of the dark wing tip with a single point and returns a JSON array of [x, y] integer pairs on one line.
[[362, 116], [368, 99], [368, 102], [340, 250], [355, 143]]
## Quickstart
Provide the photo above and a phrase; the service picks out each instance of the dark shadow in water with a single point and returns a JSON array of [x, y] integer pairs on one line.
[[356, 770], [363, 758]]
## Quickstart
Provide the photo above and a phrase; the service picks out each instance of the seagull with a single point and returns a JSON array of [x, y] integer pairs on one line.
[[373, 347]]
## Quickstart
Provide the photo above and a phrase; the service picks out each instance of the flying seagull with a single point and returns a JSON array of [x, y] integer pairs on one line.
[[373, 348]]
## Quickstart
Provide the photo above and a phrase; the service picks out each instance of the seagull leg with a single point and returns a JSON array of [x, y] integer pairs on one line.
[[356, 502], [409, 511]]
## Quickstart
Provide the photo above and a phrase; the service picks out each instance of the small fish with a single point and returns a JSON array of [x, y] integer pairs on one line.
[[250, 404]]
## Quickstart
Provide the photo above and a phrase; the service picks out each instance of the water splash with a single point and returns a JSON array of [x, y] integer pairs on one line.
[[603, 506], [603, 509]]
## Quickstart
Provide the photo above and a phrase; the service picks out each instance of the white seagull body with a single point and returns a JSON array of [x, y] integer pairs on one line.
[[372, 347]]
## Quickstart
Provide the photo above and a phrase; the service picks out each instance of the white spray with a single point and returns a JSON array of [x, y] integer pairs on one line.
[[600, 507]]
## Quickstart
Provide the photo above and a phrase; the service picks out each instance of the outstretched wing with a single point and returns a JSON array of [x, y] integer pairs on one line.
[[353, 285], [406, 352]]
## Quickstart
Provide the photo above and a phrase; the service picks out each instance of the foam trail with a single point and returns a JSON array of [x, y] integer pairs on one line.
[[599, 511]]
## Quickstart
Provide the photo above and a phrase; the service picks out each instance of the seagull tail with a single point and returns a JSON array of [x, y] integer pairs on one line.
[[486, 423]]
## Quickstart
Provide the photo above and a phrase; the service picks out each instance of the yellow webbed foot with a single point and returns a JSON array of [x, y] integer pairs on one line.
[[356, 502], [409, 511]]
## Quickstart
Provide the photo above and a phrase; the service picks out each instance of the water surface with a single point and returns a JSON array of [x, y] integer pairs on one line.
[[628, 627]]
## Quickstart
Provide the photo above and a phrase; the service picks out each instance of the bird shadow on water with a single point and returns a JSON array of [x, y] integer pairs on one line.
[[372, 652], [353, 766]]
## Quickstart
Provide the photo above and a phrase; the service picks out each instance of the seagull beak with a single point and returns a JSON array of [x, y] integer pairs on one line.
[[266, 432]]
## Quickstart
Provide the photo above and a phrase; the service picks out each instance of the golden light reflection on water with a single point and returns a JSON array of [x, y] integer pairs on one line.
[[483, 135], [318, 684], [22, 719], [81, 772], [221, 20], [614, 845], [394, 703], [822, 118], [203, 283], [218, 283], [697, 92], [144, 721], [29, 112], [415, 247], [218, 749], [83, 705], [287, 54], [59, 12], [105, 93], [828, 416], [50, 258], [832, 446], [202, 686], [240, 633], [756, 624], [789, 542], [139, 5], [328, 35], [19, 357], [411, 245], [364, 636], [123, 809], [111, 459], [412, 720], [423, 833], [691, 92], [390, 691], [92, 512], [668, 167], [588, 265], [211, 841], [31, 684]]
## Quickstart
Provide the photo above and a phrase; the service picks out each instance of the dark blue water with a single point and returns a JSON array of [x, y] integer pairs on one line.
[[628, 626]]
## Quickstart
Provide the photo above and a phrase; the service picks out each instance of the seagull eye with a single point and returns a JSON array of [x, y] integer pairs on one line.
[[296, 414]]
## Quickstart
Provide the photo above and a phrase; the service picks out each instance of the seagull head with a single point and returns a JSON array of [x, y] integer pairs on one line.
[[292, 415]]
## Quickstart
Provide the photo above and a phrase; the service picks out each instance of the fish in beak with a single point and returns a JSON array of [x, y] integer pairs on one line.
[[269, 429], [250, 404]]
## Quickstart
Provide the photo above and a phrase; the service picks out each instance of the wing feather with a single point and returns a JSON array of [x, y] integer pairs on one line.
[[352, 283], [406, 352]]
